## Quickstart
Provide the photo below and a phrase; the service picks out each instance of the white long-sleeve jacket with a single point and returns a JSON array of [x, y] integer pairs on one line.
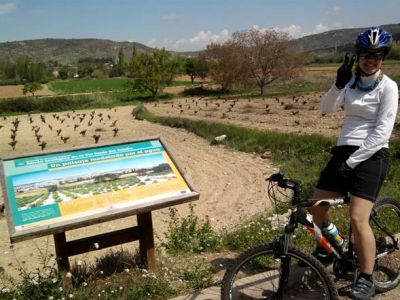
[[369, 116]]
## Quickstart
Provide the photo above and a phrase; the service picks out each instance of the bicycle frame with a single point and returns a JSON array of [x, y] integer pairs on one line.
[[346, 259], [299, 215]]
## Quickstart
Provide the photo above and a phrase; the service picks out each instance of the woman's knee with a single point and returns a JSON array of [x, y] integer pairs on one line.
[[360, 210]]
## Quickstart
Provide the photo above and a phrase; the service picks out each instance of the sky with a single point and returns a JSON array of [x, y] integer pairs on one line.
[[184, 25]]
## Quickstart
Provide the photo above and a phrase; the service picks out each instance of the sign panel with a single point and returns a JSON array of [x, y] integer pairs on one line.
[[62, 190]]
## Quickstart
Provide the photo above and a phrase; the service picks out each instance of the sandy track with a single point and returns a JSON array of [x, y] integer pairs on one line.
[[13, 91], [231, 183]]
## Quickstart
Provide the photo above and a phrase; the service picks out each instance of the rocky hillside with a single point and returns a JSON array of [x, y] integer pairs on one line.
[[340, 40], [71, 50], [67, 50]]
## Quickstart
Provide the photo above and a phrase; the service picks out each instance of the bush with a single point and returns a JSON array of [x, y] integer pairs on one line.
[[99, 74], [199, 275], [203, 91], [26, 105], [153, 287], [187, 235], [10, 82]]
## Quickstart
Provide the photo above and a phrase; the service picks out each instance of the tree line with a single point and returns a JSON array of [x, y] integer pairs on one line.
[[249, 59]]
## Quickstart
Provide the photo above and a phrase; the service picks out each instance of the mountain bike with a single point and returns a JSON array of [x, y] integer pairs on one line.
[[279, 270]]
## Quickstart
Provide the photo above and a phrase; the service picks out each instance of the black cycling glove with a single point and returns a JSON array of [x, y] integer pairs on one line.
[[345, 170], [344, 73]]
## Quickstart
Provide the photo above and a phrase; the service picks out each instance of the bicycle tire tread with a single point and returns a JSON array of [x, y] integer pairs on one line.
[[384, 201], [231, 271]]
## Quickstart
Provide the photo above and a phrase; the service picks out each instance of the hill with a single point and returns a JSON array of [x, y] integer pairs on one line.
[[68, 50], [339, 40], [71, 50]]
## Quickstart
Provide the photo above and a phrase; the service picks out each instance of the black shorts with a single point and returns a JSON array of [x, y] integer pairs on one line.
[[365, 180]]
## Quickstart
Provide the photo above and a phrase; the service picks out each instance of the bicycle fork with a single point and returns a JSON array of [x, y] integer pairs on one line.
[[283, 246]]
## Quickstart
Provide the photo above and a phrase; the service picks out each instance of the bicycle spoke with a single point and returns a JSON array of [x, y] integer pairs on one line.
[[385, 224], [258, 277]]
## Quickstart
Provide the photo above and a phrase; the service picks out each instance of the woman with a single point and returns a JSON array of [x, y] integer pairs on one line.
[[360, 160]]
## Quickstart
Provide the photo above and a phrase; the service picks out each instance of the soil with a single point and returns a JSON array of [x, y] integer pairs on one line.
[[14, 91], [231, 183]]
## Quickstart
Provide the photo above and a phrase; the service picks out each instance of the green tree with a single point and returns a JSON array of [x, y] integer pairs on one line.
[[195, 67], [134, 52], [37, 71], [118, 65], [63, 72], [121, 60], [8, 69], [31, 87], [152, 72], [85, 69], [22, 68]]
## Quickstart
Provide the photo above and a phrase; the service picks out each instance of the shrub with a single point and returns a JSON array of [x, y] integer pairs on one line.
[[199, 275], [152, 287], [203, 91], [26, 105], [188, 235], [32, 87]]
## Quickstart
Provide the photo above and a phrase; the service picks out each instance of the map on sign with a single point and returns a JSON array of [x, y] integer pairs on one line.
[[47, 189]]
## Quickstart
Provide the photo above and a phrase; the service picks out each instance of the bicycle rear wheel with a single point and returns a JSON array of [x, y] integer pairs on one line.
[[385, 222], [256, 275]]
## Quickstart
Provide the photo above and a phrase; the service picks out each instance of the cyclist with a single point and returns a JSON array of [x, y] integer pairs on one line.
[[360, 160]]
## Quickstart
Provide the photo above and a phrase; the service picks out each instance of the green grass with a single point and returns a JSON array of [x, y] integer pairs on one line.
[[25, 105], [302, 156], [89, 85], [99, 85], [185, 83]]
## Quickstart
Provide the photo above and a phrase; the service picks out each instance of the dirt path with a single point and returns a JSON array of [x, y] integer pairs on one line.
[[231, 183], [14, 91]]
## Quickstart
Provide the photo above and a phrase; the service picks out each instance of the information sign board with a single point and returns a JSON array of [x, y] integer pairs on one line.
[[54, 192]]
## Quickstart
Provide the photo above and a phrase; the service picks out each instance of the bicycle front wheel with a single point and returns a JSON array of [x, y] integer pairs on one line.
[[385, 223], [258, 273]]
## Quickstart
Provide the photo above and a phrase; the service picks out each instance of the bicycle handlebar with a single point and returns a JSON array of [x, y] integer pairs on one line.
[[294, 185]]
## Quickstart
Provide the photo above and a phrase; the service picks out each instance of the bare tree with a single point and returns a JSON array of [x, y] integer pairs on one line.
[[267, 56], [252, 58], [225, 65]]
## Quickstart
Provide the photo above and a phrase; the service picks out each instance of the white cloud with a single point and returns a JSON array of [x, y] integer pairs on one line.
[[204, 38], [151, 43], [297, 32], [7, 8], [197, 42], [294, 31], [320, 28]]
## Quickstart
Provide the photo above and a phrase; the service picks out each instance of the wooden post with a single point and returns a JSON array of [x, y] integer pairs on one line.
[[60, 243], [146, 241]]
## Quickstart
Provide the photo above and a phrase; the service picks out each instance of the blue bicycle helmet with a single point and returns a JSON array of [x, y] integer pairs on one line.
[[374, 39]]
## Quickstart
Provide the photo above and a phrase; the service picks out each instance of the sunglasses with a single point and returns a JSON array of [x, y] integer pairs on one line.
[[372, 55]]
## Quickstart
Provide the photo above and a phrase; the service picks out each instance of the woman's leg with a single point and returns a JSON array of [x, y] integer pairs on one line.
[[320, 213], [364, 240]]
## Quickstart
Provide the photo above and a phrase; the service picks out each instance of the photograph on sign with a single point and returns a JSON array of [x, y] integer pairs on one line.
[[57, 187]]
